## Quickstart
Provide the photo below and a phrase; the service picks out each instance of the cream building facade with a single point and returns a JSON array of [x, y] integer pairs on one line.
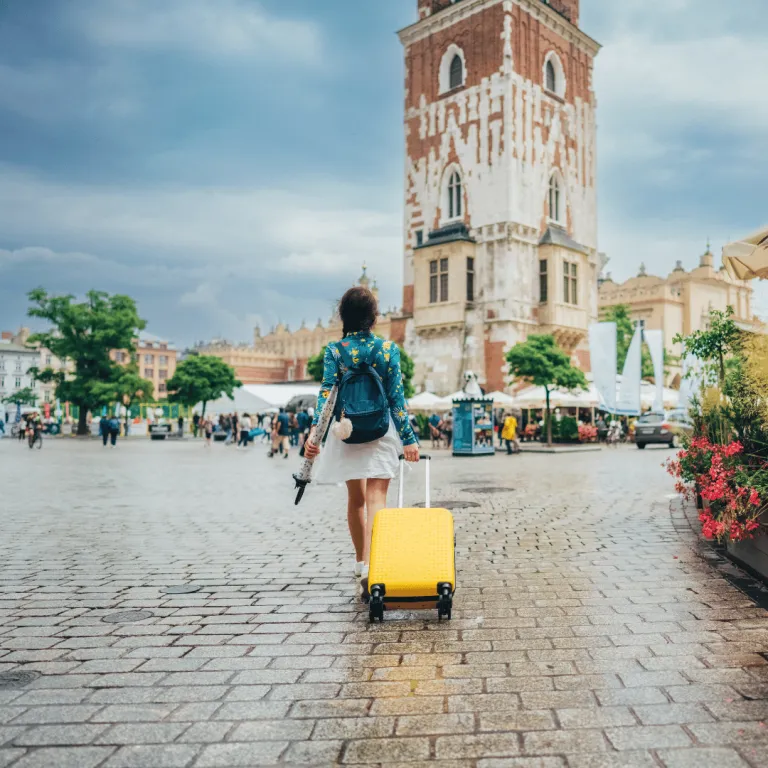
[[680, 302]]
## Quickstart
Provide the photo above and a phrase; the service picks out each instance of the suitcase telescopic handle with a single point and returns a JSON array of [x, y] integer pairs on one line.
[[427, 459]]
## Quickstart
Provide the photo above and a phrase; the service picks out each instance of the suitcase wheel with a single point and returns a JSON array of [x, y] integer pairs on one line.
[[376, 608], [445, 602]]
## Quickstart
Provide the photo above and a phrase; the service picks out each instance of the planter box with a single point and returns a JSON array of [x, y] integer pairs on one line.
[[753, 554]]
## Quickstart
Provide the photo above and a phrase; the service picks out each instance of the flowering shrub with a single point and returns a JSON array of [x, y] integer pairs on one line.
[[587, 433], [732, 505]]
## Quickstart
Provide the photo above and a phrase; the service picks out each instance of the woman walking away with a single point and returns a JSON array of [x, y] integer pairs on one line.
[[207, 426], [509, 433], [245, 431], [363, 454]]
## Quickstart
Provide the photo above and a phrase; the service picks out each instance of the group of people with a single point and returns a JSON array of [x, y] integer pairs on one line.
[[238, 429], [441, 429]]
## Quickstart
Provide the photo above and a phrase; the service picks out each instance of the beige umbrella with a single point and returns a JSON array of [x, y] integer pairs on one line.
[[748, 258]]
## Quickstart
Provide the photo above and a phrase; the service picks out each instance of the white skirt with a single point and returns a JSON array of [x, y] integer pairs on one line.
[[340, 461]]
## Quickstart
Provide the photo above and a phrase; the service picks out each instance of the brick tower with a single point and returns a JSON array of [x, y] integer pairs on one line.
[[500, 188]]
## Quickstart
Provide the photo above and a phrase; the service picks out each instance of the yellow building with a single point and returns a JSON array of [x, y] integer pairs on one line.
[[680, 302]]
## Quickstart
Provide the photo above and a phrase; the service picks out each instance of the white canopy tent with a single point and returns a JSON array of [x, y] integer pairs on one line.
[[536, 397], [258, 398], [427, 402], [648, 395], [502, 399]]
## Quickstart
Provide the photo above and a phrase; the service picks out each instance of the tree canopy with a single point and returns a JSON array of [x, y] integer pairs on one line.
[[541, 362], [315, 369], [25, 396], [200, 379], [85, 333]]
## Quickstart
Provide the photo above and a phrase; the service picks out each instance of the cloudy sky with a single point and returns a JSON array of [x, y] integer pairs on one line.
[[233, 162]]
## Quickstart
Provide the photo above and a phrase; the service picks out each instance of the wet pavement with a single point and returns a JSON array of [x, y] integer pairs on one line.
[[175, 609]]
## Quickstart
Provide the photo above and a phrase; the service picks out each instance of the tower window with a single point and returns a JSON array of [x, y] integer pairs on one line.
[[454, 196], [570, 283], [419, 238], [470, 279], [543, 281], [438, 280], [551, 77], [456, 79], [554, 197]]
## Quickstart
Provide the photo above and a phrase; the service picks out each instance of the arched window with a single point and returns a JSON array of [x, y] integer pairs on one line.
[[456, 78], [554, 75], [551, 77], [453, 69], [454, 196], [554, 197]]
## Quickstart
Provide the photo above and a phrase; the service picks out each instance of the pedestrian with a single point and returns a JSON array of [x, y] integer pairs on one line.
[[282, 432], [448, 428], [294, 426], [104, 429], [114, 430], [245, 430], [366, 468], [509, 433], [434, 429], [207, 427], [195, 423], [181, 425], [304, 424]]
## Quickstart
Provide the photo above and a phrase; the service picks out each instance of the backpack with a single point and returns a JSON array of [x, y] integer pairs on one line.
[[362, 400]]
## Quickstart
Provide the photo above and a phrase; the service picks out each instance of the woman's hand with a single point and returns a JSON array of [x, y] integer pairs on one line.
[[311, 451], [411, 452]]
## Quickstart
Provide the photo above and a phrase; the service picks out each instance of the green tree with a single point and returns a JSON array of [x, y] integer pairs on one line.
[[126, 387], [25, 396], [716, 344], [315, 369], [541, 362], [200, 379], [85, 333]]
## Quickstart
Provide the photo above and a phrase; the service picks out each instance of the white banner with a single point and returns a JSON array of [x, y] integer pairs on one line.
[[602, 353], [655, 342], [691, 380], [629, 391]]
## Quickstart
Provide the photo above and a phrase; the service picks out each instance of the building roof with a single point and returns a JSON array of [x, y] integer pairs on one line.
[[9, 346], [448, 234], [558, 236]]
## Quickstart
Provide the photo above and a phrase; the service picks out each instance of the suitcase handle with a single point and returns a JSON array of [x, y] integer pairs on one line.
[[427, 459]]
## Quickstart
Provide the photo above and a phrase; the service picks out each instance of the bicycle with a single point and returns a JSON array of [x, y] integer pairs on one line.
[[35, 439]]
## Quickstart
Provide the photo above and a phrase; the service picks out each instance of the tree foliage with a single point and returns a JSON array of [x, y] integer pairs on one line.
[[85, 333], [200, 379], [25, 396], [541, 362], [127, 386], [716, 344], [315, 366]]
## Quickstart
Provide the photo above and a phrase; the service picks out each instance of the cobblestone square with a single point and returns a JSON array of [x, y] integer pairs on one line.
[[176, 609]]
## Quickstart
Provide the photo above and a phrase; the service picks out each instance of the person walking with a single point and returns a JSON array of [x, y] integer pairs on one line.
[[366, 468], [104, 429], [195, 423], [283, 434], [180, 423], [294, 425], [509, 433], [245, 431], [207, 426], [114, 430]]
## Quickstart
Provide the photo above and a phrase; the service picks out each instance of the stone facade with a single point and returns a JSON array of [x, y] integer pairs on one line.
[[500, 138], [680, 302]]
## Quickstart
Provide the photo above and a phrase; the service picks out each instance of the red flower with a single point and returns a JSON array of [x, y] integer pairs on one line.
[[754, 498]]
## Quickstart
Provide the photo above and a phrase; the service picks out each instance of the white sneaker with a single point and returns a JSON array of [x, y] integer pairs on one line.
[[364, 572], [359, 568]]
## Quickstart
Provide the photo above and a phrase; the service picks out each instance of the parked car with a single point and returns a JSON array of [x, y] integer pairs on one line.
[[662, 428]]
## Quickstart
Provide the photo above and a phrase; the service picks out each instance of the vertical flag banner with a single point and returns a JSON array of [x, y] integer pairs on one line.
[[629, 391], [655, 342], [691, 381], [602, 354]]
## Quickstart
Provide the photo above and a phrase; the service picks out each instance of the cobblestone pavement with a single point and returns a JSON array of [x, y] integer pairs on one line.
[[588, 631]]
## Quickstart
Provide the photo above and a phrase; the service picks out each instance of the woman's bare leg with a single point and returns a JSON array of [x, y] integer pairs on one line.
[[375, 499], [356, 515]]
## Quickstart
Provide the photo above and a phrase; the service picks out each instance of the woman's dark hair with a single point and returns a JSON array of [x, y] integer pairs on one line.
[[358, 309]]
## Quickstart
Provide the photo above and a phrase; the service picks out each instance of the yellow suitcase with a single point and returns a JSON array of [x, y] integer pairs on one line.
[[412, 558]]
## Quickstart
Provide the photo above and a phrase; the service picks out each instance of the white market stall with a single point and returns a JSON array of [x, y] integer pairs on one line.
[[259, 398], [427, 402]]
